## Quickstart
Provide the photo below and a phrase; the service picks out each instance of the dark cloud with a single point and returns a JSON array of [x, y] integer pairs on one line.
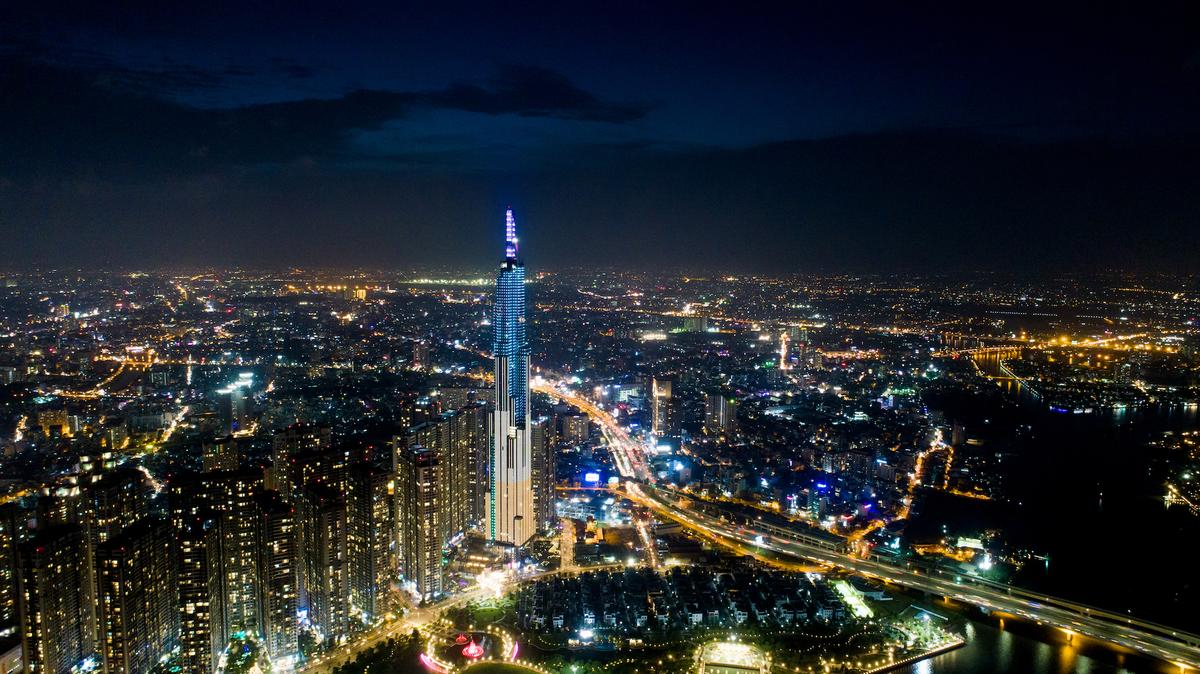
[[292, 69], [533, 92], [103, 117], [163, 78], [168, 80]]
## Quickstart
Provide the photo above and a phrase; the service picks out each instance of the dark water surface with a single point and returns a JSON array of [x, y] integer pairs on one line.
[[990, 650], [1086, 489], [1084, 492]]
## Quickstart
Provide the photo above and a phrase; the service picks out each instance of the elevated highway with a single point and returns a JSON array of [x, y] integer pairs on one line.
[[1172, 645]]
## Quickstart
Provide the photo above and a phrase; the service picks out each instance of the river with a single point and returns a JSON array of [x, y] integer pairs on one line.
[[1033, 650], [1084, 489]]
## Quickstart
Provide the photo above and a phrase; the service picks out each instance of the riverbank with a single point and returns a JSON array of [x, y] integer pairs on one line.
[[900, 664], [1006, 644]]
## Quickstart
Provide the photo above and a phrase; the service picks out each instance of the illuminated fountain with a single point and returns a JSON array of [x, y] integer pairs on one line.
[[472, 650]]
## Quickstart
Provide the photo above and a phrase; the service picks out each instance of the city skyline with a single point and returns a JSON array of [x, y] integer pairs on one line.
[[317, 451], [668, 338]]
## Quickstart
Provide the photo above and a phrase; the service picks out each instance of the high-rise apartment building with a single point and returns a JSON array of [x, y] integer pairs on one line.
[[220, 454], [232, 408], [576, 428], [109, 501], [472, 422], [277, 576], [455, 397], [115, 499], [419, 542], [460, 439], [328, 467], [233, 496], [420, 355], [370, 537], [664, 407], [292, 441], [138, 597], [56, 631], [12, 533], [720, 414], [542, 472], [202, 634], [326, 591], [511, 517]]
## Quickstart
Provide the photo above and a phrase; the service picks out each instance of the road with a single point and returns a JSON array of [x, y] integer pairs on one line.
[[1175, 646], [628, 456]]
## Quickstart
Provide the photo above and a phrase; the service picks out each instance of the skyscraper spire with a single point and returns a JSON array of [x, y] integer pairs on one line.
[[510, 235]]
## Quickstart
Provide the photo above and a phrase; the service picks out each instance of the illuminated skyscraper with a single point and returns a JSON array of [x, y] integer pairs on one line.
[[231, 405], [420, 355], [117, 498], [511, 517], [220, 454], [232, 495]]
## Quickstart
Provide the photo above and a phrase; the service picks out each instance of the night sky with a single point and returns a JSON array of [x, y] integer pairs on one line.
[[838, 137]]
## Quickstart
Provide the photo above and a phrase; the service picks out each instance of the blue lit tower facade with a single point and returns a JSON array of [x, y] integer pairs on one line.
[[511, 518]]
